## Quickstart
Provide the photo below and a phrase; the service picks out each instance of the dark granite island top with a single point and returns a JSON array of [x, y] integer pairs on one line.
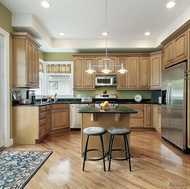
[[118, 110]]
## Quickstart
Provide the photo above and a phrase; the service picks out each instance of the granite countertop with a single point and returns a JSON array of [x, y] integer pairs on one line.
[[118, 110], [78, 101]]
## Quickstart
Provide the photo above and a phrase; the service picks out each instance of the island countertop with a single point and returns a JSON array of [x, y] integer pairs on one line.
[[117, 110]]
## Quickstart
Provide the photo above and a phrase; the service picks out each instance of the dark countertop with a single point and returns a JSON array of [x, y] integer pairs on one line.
[[78, 101], [118, 110]]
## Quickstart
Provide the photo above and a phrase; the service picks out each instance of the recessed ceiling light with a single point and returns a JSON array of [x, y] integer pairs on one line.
[[147, 33], [170, 4], [62, 33], [45, 4], [105, 33]]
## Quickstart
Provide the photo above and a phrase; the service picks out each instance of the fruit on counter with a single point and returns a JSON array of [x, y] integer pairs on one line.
[[105, 104]]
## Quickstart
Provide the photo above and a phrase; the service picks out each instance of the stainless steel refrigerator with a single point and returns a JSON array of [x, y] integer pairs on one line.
[[173, 107]]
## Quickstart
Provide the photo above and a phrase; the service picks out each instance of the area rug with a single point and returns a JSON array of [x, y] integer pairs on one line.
[[18, 167]]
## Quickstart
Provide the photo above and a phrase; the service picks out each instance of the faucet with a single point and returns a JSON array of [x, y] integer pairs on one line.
[[55, 97]]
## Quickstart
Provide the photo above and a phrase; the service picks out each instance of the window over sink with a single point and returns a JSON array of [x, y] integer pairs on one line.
[[56, 77]]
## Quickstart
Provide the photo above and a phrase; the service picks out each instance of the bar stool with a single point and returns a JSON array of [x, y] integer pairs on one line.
[[119, 131], [94, 131]]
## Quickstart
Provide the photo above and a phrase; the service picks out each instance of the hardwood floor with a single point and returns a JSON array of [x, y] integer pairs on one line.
[[155, 164]]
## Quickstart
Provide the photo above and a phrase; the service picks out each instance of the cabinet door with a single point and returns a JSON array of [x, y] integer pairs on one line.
[[48, 119], [78, 69], [122, 78], [144, 73], [59, 119], [155, 71], [181, 47], [88, 79], [136, 120], [147, 116], [133, 72], [99, 62], [158, 118], [168, 54]]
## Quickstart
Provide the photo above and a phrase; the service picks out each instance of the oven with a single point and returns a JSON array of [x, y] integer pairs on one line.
[[111, 98]]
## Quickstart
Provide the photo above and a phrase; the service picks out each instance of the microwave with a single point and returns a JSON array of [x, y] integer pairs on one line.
[[105, 80]]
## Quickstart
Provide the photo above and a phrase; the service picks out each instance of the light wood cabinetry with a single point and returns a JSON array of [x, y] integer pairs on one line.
[[83, 80], [147, 116], [155, 70], [44, 120], [99, 62], [25, 124], [176, 50], [142, 119], [60, 116], [138, 75], [25, 60], [156, 117]]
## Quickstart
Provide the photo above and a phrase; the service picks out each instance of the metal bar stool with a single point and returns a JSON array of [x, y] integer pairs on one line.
[[119, 131], [94, 131]]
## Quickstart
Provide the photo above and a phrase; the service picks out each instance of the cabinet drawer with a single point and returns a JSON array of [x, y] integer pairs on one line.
[[42, 122], [140, 113], [59, 106], [135, 106], [42, 131], [136, 123]]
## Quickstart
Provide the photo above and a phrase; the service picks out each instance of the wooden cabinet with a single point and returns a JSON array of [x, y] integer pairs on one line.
[[99, 62], [25, 60], [60, 116], [83, 80], [147, 116], [156, 117], [144, 73], [25, 124], [155, 70], [138, 75], [136, 120], [176, 50], [142, 119], [122, 78], [31, 123]]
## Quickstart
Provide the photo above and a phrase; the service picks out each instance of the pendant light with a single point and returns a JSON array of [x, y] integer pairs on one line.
[[106, 61]]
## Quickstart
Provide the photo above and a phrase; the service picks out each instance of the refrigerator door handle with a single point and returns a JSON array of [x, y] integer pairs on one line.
[[167, 99]]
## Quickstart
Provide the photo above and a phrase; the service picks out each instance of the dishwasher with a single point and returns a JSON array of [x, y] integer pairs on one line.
[[76, 118]]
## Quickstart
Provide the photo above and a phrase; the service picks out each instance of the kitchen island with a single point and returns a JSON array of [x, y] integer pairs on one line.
[[116, 117]]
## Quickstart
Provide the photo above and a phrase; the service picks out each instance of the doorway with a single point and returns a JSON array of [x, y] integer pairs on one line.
[[1, 87], [5, 98]]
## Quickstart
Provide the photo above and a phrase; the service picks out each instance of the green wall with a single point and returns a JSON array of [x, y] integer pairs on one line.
[[128, 94], [58, 56], [5, 19]]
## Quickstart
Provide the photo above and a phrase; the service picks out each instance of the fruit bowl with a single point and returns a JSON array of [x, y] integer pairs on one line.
[[105, 108]]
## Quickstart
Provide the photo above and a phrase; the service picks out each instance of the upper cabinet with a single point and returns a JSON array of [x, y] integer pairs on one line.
[[83, 80], [175, 50], [25, 60], [138, 75], [155, 70]]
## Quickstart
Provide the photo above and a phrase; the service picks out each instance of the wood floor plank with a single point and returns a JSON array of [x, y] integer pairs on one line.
[[155, 164]]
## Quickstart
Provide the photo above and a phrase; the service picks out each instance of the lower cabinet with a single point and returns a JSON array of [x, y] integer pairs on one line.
[[156, 117], [60, 116], [142, 119], [32, 123]]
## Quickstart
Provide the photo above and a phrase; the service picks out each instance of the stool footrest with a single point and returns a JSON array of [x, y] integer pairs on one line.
[[95, 159]]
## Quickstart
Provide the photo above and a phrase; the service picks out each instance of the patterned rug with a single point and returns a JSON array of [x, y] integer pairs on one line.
[[18, 167]]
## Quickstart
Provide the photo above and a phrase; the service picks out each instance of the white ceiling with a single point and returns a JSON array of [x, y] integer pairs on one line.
[[83, 21]]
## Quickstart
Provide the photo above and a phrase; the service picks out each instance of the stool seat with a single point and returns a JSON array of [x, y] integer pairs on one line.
[[94, 131], [118, 131]]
